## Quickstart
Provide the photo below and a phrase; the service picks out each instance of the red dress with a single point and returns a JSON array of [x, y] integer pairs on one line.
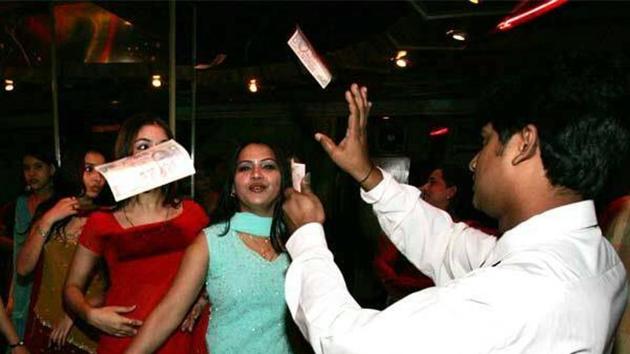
[[142, 262]]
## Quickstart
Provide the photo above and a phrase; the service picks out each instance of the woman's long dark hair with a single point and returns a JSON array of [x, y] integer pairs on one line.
[[124, 147], [74, 187], [229, 204]]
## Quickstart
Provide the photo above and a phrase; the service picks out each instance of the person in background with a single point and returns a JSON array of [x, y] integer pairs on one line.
[[615, 223], [16, 345], [240, 260], [52, 240], [445, 188], [142, 242], [39, 169]]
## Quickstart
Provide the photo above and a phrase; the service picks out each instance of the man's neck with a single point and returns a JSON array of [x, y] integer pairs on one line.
[[532, 206]]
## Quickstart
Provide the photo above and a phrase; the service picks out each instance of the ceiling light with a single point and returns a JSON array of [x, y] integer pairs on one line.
[[8, 85], [402, 63], [476, 2], [252, 86], [401, 54], [156, 81], [457, 35]]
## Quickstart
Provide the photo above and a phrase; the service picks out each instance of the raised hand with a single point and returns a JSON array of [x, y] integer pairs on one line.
[[109, 320], [351, 154]]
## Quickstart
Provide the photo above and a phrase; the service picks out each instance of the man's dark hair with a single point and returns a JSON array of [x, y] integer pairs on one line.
[[577, 114]]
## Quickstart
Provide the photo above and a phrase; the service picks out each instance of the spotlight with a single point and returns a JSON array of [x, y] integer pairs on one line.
[[8, 85], [457, 35], [156, 81], [252, 86]]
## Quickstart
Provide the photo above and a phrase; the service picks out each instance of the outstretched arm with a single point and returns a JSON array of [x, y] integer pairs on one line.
[[171, 311]]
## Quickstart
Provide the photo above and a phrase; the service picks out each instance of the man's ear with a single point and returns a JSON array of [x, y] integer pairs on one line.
[[527, 140], [450, 192]]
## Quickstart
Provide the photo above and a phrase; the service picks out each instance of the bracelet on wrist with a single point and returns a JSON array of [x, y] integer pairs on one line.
[[20, 343], [368, 174], [43, 233]]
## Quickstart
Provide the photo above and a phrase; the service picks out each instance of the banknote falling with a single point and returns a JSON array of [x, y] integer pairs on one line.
[[309, 58]]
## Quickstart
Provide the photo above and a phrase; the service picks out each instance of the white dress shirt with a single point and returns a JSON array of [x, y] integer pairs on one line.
[[552, 284]]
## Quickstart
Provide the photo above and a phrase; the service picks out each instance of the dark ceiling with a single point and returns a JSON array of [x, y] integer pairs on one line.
[[108, 48]]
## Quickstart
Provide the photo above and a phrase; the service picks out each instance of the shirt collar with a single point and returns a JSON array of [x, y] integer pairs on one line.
[[544, 227]]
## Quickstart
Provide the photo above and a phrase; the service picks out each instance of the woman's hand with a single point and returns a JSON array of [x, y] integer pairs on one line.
[[191, 318], [60, 331], [109, 320], [64, 208]]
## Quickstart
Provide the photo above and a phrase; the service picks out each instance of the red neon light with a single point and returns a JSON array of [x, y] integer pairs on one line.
[[529, 14], [438, 132]]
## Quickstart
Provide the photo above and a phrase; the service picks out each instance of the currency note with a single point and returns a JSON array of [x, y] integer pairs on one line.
[[148, 169], [298, 171], [309, 57]]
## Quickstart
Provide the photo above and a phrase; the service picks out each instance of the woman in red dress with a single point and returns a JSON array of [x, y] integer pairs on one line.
[[142, 242]]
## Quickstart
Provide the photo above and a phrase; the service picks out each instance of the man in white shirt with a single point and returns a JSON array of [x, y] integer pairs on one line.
[[550, 284]]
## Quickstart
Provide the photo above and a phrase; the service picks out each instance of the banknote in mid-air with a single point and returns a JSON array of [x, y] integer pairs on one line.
[[309, 57]]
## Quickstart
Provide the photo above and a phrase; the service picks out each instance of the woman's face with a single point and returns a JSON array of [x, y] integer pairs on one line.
[[37, 173], [93, 182], [148, 136], [257, 179]]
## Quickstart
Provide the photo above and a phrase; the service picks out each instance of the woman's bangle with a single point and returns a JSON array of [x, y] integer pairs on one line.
[[42, 232], [20, 343], [368, 174]]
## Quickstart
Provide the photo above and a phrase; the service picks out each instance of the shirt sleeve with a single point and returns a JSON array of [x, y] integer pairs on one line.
[[92, 237], [427, 236], [435, 320]]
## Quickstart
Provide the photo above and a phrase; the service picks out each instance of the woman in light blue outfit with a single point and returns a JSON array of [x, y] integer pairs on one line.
[[39, 170], [240, 260]]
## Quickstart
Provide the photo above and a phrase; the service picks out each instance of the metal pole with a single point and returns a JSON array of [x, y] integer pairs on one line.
[[193, 101], [53, 84], [172, 76]]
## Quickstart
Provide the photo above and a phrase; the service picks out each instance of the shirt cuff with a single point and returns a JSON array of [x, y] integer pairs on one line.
[[306, 237], [375, 194]]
